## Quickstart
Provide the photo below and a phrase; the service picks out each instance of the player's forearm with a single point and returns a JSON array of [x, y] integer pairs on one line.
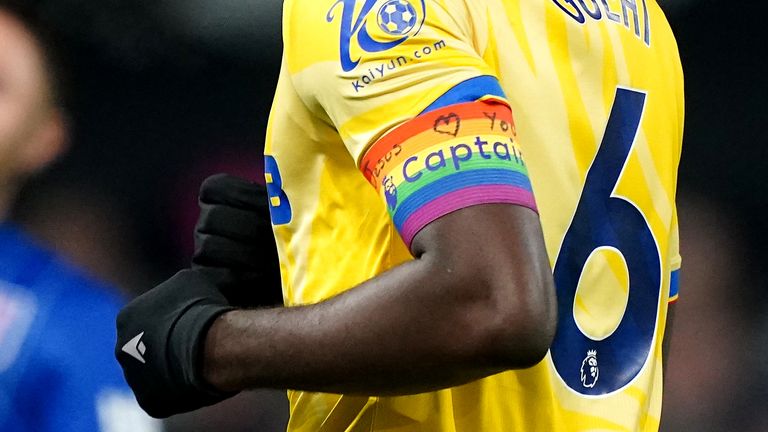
[[386, 336], [409, 330]]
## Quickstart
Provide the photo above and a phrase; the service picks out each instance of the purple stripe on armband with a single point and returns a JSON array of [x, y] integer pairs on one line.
[[466, 197]]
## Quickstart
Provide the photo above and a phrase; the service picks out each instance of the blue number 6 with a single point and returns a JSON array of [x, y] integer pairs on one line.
[[605, 220]]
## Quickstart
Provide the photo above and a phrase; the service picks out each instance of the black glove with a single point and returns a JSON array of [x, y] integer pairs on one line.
[[160, 337], [234, 244]]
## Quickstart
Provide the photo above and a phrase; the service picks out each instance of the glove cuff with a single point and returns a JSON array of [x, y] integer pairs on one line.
[[187, 337]]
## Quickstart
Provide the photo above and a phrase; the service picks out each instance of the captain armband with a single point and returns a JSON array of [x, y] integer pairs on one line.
[[446, 160]]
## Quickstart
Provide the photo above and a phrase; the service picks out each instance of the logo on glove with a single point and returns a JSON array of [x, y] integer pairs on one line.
[[136, 348]]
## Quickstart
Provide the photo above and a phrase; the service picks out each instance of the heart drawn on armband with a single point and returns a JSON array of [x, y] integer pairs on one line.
[[449, 124]]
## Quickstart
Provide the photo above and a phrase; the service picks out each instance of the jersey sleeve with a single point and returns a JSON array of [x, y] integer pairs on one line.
[[414, 101], [367, 66], [675, 260]]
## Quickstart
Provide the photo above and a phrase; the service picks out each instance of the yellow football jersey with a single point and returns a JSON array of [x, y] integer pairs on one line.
[[596, 89]]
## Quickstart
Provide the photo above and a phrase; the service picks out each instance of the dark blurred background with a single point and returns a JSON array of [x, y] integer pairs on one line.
[[166, 93]]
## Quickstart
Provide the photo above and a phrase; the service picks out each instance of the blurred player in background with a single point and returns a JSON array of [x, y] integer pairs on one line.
[[56, 371], [417, 265]]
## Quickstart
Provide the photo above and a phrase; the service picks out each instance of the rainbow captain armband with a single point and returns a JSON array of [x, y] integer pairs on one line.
[[445, 160]]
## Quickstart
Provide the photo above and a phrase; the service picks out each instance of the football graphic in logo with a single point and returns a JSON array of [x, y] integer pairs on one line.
[[397, 17]]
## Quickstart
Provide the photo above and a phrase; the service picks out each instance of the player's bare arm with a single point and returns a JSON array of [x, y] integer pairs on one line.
[[478, 299]]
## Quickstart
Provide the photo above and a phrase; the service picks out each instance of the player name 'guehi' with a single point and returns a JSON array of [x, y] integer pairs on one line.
[[579, 11]]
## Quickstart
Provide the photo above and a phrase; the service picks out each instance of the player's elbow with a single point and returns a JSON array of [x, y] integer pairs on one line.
[[519, 329], [506, 315], [497, 282], [522, 339]]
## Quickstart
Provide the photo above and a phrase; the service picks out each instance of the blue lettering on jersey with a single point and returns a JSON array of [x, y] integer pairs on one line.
[[279, 205], [394, 17], [579, 10]]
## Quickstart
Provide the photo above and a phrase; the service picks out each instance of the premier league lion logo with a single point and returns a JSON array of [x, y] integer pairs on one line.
[[390, 192], [589, 370]]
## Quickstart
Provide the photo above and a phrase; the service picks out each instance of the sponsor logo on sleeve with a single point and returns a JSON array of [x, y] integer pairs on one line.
[[376, 26], [398, 19]]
